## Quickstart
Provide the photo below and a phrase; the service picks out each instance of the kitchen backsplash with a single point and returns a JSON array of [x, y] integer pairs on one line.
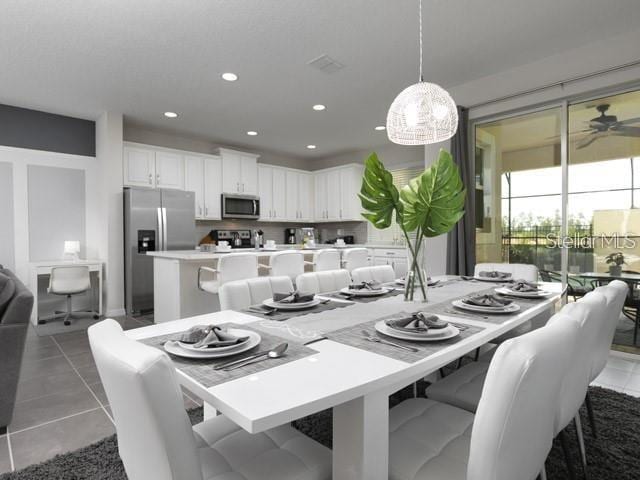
[[275, 231]]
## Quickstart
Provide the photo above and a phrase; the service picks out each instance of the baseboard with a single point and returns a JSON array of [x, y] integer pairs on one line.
[[118, 312]]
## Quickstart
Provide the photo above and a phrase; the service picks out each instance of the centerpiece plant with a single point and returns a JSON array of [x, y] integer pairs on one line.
[[430, 205]]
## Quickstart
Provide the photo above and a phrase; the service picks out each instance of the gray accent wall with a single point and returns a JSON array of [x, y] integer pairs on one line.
[[57, 207], [35, 130], [7, 253]]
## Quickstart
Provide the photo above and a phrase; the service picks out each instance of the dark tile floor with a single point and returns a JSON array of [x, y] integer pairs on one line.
[[61, 405]]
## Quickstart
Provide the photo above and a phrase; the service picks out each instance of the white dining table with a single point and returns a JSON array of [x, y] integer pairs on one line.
[[355, 382]]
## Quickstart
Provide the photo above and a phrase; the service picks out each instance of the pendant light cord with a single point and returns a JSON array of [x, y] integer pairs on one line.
[[421, 79]]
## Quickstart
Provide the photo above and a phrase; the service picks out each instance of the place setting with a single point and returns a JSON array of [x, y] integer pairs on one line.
[[217, 353], [365, 292], [523, 289], [490, 276], [482, 306], [282, 306]]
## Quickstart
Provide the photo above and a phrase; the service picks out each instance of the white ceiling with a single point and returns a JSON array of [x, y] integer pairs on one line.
[[144, 57]]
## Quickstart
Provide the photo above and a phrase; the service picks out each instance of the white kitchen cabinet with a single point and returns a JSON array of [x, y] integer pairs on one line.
[[139, 167], [239, 172], [396, 257], [336, 195], [350, 184], [169, 170], [292, 192], [279, 194], [193, 181], [212, 188], [265, 192], [321, 203], [305, 196]]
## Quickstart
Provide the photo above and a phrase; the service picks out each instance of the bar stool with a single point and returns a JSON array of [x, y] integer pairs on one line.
[[287, 263], [234, 266], [353, 258], [326, 259]]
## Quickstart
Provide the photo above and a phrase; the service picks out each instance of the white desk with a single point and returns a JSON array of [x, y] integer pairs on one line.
[[44, 268], [355, 382]]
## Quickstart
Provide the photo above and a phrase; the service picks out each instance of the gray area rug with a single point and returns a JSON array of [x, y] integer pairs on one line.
[[612, 456]]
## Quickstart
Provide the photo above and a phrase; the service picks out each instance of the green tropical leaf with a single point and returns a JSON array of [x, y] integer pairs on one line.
[[434, 201], [378, 195]]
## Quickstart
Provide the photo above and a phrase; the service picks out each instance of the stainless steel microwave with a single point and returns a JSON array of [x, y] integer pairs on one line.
[[240, 206]]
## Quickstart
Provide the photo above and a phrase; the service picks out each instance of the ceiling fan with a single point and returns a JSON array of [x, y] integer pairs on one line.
[[607, 125]]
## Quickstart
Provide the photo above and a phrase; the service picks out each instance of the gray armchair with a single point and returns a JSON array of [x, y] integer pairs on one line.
[[16, 302]]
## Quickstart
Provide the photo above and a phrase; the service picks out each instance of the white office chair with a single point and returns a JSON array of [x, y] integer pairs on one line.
[[156, 439], [241, 294], [233, 266], [289, 263], [69, 281], [326, 259], [518, 271], [323, 282], [353, 258], [379, 273], [511, 434]]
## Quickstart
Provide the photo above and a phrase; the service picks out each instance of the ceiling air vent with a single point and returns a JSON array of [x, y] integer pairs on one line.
[[326, 64]]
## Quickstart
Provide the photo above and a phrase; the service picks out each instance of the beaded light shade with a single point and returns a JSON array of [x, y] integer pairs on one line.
[[421, 114]]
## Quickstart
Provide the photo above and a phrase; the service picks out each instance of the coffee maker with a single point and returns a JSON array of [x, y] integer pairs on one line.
[[290, 236]]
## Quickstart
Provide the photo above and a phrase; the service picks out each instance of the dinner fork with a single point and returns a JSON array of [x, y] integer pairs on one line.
[[376, 339]]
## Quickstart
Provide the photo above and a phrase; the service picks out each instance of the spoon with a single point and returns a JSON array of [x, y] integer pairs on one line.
[[276, 352]]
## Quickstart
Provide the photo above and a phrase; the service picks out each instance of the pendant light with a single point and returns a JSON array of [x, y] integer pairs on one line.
[[423, 113]]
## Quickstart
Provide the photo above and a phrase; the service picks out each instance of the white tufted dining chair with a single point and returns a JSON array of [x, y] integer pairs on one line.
[[323, 282], [433, 440], [518, 271], [232, 266], [241, 294], [156, 440], [326, 259], [379, 273], [353, 258]]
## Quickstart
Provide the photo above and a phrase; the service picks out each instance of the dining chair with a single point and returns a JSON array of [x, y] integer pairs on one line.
[[577, 286], [379, 273], [289, 263], [510, 435], [241, 294], [326, 259], [67, 282], [230, 267], [353, 258], [518, 271], [156, 439], [323, 282]]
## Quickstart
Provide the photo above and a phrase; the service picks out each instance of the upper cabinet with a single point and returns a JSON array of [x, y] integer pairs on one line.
[[239, 172], [203, 175], [272, 192], [299, 196], [336, 194], [151, 167]]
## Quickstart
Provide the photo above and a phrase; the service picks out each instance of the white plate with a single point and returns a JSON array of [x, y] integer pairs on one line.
[[254, 340], [512, 293], [365, 292], [451, 332], [497, 280], [474, 308], [269, 302]]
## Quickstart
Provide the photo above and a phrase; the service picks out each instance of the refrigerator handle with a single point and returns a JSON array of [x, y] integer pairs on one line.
[[160, 230], [164, 228]]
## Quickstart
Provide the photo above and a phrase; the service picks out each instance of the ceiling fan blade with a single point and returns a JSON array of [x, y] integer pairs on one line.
[[627, 131], [629, 120], [589, 139]]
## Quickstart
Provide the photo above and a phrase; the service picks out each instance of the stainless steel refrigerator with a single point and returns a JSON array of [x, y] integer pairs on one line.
[[153, 220]]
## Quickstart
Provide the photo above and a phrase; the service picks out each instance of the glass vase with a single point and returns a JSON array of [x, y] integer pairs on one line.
[[415, 287]]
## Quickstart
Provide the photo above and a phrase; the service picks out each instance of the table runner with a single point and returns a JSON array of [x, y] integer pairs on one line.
[[282, 315], [203, 372]]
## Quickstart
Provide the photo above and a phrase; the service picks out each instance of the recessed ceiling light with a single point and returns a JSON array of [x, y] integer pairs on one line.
[[229, 77], [170, 114], [252, 133], [381, 127], [319, 107], [311, 147]]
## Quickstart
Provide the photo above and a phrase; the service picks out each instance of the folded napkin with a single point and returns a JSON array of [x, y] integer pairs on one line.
[[495, 274], [373, 285], [523, 286], [210, 336], [293, 297], [419, 322], [487, 301]]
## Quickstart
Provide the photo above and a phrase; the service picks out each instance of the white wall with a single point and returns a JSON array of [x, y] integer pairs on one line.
[[392, 155], [7, 257]]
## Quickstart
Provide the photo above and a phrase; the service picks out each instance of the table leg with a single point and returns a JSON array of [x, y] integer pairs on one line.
[[361, 438], [208, 411]]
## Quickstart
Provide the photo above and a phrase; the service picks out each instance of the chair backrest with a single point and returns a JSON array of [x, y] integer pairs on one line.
[[514, 425], [615, 292], [290, 264], [326, 259], [237, 266], [64, 280], [323, 282], [379, 273], [155, 438], [518, 271], [252, 291], [588, 313], [353, 258], [16, 300]]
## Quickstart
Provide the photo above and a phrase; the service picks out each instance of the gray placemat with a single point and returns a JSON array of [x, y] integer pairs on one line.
[[282, 315], [203, 372], [354, 337], [394, 293]]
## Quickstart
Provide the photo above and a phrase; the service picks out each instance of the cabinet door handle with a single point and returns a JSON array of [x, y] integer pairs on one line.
[[157, 178], [340, 213], [206, 211], [200, 209], [238, 187], [150, 179]]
